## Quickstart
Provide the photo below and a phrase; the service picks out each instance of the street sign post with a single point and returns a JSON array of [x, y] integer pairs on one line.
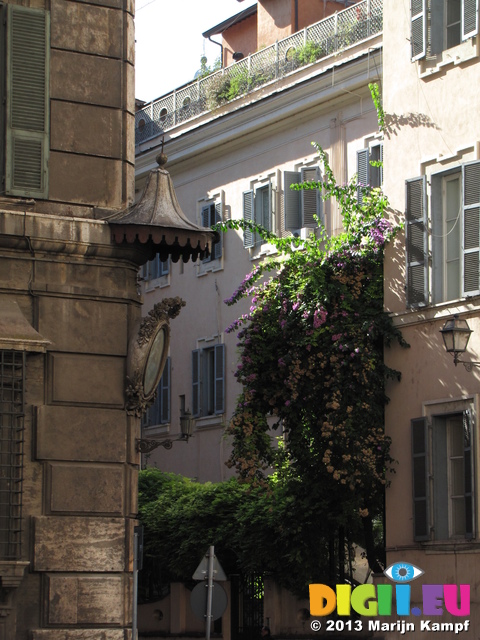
[[214, 603]]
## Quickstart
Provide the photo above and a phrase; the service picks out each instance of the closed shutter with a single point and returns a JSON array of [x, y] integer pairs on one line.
[[421, 528], [217, 248], [471, 228], [196, 383], [310, 198], [248, 216], [219, 400], [292, 201], [27, 113], [165, 267], [363, 172], [469, 477], [469, 18], [164, 393], [416, 241], [419, 29]]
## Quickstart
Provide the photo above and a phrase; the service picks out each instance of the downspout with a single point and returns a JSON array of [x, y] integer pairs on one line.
[[221, 47], [296, 16]]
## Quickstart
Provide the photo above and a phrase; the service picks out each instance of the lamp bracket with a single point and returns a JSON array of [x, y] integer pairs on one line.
[[144, 445]]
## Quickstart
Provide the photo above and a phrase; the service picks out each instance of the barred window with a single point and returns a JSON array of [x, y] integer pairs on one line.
[[12, 379]]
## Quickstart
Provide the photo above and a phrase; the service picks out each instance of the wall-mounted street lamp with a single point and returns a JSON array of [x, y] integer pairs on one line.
[[456, 334], [186, 426]]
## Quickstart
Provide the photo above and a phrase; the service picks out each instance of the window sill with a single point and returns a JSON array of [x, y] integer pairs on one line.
[[455, 55], [156, 283], [203, 422], [209, 267], [450, 546]]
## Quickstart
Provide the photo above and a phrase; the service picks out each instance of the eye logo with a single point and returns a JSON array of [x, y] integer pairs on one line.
[[403, 572]]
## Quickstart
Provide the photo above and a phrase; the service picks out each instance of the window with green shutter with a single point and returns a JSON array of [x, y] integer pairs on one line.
[[416, 242], [210, 215], [258, 209], [443, 477], [369, 169], [303, 207], [27, 101], [208, 381], [159, 412], [438, 25]]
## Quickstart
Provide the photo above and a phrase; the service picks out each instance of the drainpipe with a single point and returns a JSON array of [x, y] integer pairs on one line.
[[221, 47], [296, 16]]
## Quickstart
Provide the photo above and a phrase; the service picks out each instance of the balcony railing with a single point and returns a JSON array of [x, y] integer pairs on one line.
[[333, 34]]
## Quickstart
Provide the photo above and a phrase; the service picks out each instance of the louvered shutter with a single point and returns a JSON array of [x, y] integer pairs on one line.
[[164, 393], [263, 206], [207, 222], [469, 477], [469, 18], [471, 229], [416, 242], [248, 216], [419, 28], [363, 172], [219, 375], [292, 201], [27, 112], [310, 198], [196, 382], [165, 267], [437, 26], [421, 528], [217, 248]]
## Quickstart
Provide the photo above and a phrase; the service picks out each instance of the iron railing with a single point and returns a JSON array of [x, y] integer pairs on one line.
[[322, 39]]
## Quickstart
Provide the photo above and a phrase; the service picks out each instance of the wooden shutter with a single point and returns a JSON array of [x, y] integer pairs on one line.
[[437, 26], [468, 459], [471, 229], [207, 222], [419, 28], [263, 206], [469, 18], [310, 198], [165, 267], [217, 248], [248, 216], [164, 393], [292, 218], [27, 112], [219, 374], [416, 242], [421, 526], [363, 172], [196, 382]]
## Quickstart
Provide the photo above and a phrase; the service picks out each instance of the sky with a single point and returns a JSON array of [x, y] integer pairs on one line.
[[169, 42]]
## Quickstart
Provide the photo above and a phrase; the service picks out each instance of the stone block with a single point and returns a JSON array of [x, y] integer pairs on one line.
[[86, 179], [78, 77], [87, 326], [86, 28], [80, 600], [86, 129], [95, 489], [78, 634], [85, 379], [81, 433], [79, 544]]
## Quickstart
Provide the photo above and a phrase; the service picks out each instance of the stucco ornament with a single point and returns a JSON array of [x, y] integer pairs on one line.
[[147, 354]]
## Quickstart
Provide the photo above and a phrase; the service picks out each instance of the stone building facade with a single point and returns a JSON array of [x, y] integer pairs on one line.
[[69, 310]]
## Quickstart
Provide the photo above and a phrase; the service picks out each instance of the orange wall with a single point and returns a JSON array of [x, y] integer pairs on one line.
[[241, 37], [275, 19]]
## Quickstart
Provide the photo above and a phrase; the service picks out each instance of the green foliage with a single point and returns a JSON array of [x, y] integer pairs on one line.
[[311, 362], [308, 53], [377, 101]]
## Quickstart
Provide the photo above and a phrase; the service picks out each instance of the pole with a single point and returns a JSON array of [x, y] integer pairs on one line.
[[135, 583], [211, 555]]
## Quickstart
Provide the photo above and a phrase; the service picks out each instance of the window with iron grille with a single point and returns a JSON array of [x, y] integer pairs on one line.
[[12, 379]]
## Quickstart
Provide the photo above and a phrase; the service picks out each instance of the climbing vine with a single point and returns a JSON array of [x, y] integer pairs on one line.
[[312, 369]]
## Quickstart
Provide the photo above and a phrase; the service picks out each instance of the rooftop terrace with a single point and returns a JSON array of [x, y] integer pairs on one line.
[[269, 65]]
